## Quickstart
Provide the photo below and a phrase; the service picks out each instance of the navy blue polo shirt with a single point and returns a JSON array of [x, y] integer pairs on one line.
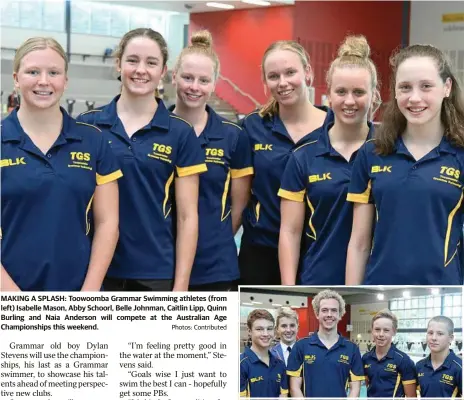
[[260, 380], [46, 200], [325, 372], [163, 150], [445, 381], [387, 376], [228, 156], [271, 145], [419, 207], [319, 176]]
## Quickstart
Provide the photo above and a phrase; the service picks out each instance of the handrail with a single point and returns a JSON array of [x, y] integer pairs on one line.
[[237, 89]]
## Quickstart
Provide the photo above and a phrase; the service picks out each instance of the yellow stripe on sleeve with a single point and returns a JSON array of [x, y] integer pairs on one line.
[[102, 179], [360, 197], [355, 378], [194, 169], [295, 196], [296, 373], [455, 393], [409, 382], [283, 391], [240, 173]]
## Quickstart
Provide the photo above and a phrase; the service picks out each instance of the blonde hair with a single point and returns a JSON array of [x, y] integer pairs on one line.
[[38, 43], [201, 42], [286, 312], [386, 313], [355, 52], [444, 320], [272, 107], [326, 295]]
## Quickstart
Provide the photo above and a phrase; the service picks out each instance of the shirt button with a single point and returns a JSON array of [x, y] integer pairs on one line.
[[134, 139], [130, 147], [414, 167], [49, 155]]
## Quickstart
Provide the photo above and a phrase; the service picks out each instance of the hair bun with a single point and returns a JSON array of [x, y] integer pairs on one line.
[[355, 46], [202, 39]]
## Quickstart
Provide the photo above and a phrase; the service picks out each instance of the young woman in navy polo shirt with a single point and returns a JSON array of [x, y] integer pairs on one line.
[[407, 184], [54, 171], [158, 152], [318, 173], [225, 187], [286, 122]]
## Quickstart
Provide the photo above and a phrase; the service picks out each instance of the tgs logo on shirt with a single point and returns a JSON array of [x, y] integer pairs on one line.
[[444, 170], [79, 156], [377, 168], [11, 162], [260, 146], [257, 379], [161, 148], [448, 379], [344, 359], [279, 378], [215, 152], [390, 368]]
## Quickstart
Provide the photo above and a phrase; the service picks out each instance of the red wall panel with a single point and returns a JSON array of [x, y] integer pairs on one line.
[[240, 39], [321, 26]]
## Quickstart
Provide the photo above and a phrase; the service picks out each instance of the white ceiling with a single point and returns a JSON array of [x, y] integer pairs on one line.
[[192, 6]]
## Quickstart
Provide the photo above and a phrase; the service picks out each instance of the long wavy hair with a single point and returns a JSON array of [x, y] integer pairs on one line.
[[452, 109]]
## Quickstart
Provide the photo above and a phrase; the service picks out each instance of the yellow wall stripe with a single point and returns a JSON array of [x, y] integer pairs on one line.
[[295, 196], [450, 224], [224, 197], [166, 195], [193, 169], [102, 179], [240, 173]]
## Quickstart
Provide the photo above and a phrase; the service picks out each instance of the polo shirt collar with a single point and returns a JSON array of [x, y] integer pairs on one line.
[[68, 130], [255, 359], [109, 115], [314, 339], [444, 147], [446, 363], [390, 353], [323, 142]]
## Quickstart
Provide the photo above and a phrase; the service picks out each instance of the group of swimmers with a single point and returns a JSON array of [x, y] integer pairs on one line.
[[325, 364], [135, 196]]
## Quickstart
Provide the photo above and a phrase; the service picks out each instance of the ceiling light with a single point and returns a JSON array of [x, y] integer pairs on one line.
[[380, 296], [221, 5], [257, 302], [276, 305], [247, 304], [406, 294], [257, 2], [435, 291]]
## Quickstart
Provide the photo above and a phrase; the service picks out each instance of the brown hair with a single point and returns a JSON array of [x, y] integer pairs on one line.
[[386, 313], [200, 43], [452, 109], [38, 43], [445, 320], [144, 32], [271, 107], [355, 52], [259, 314], [325, 295]]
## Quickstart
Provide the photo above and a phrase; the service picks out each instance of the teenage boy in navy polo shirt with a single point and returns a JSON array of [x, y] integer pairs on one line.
[[440, 374], [325, 364], [389, 371], [262, 374]]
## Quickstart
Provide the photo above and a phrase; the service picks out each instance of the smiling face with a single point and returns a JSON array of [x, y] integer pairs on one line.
[[141, 66], [438, 337], [286, 77], [329, 314], [41, 78], [383, 332], [351, 94], [420, 90], [261, 333], [287, 330], [194, 80]]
